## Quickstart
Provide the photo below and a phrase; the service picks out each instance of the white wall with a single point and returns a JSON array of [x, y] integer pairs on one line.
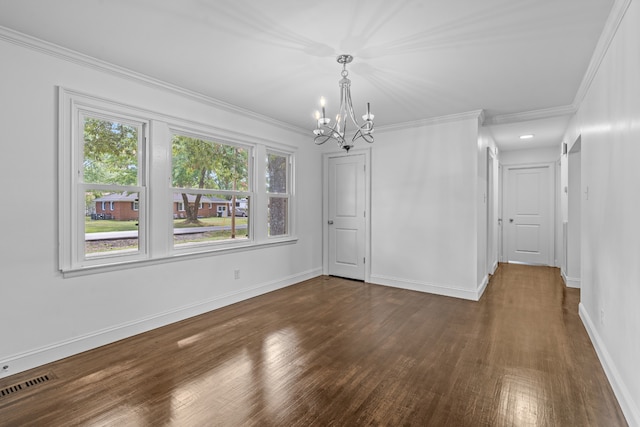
[[424, 217], [609, 124], [530, 156], [45, 316]]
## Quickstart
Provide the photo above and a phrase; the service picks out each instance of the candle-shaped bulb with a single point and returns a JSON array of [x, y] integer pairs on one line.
[[368, 116]]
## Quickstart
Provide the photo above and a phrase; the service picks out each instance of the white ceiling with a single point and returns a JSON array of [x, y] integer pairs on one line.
[[414, 59]]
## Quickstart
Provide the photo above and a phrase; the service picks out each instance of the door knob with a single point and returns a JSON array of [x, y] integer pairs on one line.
[[330, 222], [510, 219]]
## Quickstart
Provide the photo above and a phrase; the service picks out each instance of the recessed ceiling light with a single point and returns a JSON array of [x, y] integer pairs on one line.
[[528, 136]]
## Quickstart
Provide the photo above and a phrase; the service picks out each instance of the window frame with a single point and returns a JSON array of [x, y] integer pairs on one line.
[[213, 139], [154, 195], [72, 240], [288, 195]]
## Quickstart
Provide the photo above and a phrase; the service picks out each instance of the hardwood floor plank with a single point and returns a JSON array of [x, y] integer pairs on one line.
[[336, 352]]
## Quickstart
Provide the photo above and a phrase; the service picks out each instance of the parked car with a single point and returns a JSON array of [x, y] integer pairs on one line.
[[241, 212]]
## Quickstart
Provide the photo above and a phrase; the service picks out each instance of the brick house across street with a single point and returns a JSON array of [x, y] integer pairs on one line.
[[124, 206]]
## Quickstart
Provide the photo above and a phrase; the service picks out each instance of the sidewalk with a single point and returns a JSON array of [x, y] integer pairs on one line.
[[112, 235]]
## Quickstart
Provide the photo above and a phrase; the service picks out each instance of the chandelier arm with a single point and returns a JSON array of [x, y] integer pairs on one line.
[[349, 109], [328, 132], [364, 132], [321, 139]]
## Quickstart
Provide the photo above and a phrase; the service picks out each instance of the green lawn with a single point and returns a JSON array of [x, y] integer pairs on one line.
[[105, 225]]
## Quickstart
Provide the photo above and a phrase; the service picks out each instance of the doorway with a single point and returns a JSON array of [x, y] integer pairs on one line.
[[571, 273], [528, 227], [492, 217], [346, 223]]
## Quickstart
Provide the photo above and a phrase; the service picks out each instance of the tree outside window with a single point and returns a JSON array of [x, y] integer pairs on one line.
[[213, 172], [277, 183], [110, 176]]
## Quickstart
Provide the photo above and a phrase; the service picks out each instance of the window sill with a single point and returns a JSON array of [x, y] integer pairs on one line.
[[116, 266]]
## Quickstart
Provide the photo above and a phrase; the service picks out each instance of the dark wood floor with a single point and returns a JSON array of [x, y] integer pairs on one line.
[[334, 352]]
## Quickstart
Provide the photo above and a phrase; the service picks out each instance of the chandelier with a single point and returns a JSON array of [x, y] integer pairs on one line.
[[324, 131]]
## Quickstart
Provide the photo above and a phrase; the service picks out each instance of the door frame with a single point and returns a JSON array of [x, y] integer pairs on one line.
[[367, 204], [492, 214], [552, 207]]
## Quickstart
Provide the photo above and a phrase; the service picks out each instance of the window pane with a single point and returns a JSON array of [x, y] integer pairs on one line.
[[276, 173], [214, 221], [111, 223], [110, 152], [197, 163], [278, 216]]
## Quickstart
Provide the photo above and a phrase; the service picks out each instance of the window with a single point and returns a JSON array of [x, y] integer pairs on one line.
[[115, 203], [104, 163], [207, 171], [277, 186]]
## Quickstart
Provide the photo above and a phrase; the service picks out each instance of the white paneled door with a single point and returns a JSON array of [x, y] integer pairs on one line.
[[529, 203], [346, 216]]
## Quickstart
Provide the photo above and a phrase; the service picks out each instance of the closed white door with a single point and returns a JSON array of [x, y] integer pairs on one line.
[[346, 216], [528, 225]]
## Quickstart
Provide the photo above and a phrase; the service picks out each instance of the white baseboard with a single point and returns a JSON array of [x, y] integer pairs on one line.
[[482, 287], [494, 267], [430, 288], [629, 408], [32, 359], [570, 282]]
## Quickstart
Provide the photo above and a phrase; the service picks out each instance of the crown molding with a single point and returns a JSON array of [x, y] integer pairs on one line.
[[545, 113], [469, 115], [606, 37], [51, 49]]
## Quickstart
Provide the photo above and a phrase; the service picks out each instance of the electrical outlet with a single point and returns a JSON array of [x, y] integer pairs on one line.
[[236, 274], [602, 316]]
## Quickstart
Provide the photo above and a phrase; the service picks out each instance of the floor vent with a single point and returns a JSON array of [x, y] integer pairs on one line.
[[13, 389]]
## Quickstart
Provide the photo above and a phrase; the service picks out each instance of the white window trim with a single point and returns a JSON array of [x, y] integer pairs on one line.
[[72, 110], [155, 172]]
